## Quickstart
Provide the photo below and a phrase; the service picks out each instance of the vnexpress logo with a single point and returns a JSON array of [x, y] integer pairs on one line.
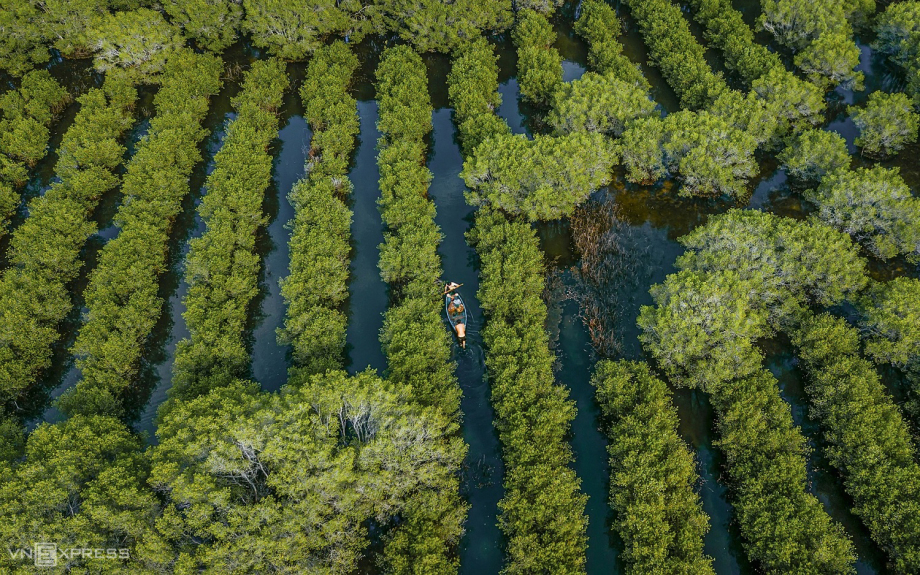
[[45, 554]]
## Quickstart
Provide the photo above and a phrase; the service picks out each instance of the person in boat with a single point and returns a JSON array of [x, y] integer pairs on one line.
[[456, 306], [450, 287]]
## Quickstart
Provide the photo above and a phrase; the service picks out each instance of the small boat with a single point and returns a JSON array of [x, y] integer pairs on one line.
[[456, 314]]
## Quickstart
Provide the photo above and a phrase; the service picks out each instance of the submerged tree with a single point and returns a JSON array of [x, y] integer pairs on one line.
[[138, 40], [886, 124], [544, 178], [599, 103], [814, 154], [213, 24], [873, 205]]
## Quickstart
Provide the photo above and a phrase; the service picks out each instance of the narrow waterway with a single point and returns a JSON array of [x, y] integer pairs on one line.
[[270, 360], [367, 292]]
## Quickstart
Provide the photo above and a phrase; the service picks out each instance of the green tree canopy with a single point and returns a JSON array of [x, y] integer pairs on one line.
[[873, 205], [814, 154], [706, 152], [653, 473], [439, 26], [599, 103], [793, 263], [831, 61], [212, 24], [293, 29], [139, 40], [82, 483], [890, 322], [544, 178], [886, 124], [248, 473]]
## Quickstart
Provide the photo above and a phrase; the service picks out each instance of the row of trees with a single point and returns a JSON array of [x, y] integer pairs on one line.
[[781, 269], [316, 286], [414, 341], [676, 52], [599, 27], [539, 63], [821, 36], [866, 435], [44, 252], [653, 474], [897, 32], [222, 267], [778, 104], [122, 297], [889, 325], [745, 274], [27, 114], [130, 32], [791, 102], [542, 512]]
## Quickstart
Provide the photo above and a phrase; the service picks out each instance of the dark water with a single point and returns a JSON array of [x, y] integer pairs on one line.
[[367, 292], [269, 359], [481, 549]]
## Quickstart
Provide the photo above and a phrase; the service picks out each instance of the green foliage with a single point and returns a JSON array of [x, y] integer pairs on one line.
[[21, 38], [796, 104], [711, 156], [413, 338], [222, 266], [26, 115], [44, 253], [890, 323], [434, 25], [122, 297], [546, 7], [814, 154], [866, 435], [472, 86], [293, 29], [12, 438], [139, 40], [831, 61], [261, 482], [69, 24], [822, 35], [81, 484], [886, 124], [898, 37], [794, 264], [797, 24], [674, 49], [316, 288], [653, 474], [542, 513], [596, 103], [599, 27], [542, 179], [785, 527], [539, 63], [897, 33], [873, 205], [727, 31], [701, 327], [749, 114], [212, 24], [745, 272]]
